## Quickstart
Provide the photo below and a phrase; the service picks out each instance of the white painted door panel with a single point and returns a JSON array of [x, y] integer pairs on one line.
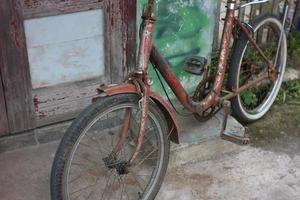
[[65, 48]]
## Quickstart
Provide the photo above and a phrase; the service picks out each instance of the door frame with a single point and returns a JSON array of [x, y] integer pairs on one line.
[[4, 129], [120, 48]]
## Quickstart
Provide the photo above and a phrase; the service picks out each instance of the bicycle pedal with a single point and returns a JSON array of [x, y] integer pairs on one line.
[[195, 65], [245, 140]]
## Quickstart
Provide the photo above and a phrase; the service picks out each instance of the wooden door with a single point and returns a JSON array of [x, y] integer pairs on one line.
[[3, 116], [15, 68], [59, 52]]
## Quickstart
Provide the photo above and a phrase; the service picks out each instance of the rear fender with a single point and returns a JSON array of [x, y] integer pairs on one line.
[[168, 112]]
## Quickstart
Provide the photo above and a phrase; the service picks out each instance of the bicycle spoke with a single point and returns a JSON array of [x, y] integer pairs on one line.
[[139, 184], [107, 183], [96, 141], [93, 150], [146, 157], [95, 173], [86, 187], [87, 159], [122, 188]]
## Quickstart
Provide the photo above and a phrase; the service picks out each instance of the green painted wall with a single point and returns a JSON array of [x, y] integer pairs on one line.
[[183, 28]]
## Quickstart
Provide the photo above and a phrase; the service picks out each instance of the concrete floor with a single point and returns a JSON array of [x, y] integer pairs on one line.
[[202, 167]]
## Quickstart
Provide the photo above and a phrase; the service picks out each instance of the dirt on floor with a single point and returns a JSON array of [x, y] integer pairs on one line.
[[279, 128], [266, 169]]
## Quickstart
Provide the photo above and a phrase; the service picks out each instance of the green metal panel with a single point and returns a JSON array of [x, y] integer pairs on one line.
[[183, 28]]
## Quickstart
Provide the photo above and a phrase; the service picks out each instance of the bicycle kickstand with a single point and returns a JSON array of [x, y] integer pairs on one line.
[[225, 135]]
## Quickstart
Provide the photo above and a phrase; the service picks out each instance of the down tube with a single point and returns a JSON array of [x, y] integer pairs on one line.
[[163, 67]]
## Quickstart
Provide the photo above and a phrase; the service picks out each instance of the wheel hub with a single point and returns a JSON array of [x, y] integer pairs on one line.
[[112, 163], [122, 168]]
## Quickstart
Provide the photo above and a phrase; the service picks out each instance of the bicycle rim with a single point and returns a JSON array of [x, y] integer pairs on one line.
[[87, 176], [261, 97]]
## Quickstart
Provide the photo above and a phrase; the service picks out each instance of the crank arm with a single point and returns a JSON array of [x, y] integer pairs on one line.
[[242, 140]]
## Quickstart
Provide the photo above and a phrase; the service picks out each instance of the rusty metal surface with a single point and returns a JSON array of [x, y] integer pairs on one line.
[[213, 96], [253, 42], [140, 82], [149, 9], [143, 121], [212, 99], [123, 133], [168, 112], [163, 67], [261, 77], [142, 85], [145, 45]]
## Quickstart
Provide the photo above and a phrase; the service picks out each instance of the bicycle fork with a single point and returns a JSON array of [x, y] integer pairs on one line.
[[139, 139]]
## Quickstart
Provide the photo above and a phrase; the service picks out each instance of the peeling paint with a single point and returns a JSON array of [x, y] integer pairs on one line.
[[65, 48], [14, 25]]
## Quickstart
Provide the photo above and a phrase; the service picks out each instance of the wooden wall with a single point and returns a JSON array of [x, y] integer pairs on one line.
[[22, 107], [14, 68], [3, 117]]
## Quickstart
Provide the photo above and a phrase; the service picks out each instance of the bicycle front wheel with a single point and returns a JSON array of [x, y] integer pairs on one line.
[[92, 160], [246, 65]]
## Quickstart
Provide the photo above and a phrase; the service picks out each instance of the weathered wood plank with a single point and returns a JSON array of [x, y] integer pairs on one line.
[[217, 27], [122, 38], [116, 53], [41, 8], [60, 102], [129, 24], [15, 69], [64, 102], [3, 116]]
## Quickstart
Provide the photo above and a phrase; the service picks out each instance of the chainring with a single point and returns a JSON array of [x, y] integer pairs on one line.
[[201, 92]]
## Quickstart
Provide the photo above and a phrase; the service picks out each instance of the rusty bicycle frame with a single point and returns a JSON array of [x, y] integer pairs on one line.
[[139, 82]]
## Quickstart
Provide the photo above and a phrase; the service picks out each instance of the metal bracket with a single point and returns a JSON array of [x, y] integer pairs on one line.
[[231, 6]]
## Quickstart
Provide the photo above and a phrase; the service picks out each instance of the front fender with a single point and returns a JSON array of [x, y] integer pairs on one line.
[[168, 112]]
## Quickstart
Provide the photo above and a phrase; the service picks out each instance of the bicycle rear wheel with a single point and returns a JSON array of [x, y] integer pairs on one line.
[[87, 165], [246, 64]]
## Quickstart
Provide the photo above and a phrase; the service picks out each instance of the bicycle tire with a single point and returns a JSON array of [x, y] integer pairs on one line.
[[244, 113], [61, 187]]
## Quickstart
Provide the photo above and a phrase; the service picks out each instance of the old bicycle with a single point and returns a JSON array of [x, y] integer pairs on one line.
[[118, 148]]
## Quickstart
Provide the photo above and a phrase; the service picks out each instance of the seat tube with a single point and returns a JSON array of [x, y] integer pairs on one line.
[[213, 96], [225, 44], [145, 44]]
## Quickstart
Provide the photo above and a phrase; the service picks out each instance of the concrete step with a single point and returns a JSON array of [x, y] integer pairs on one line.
[[202, 140], [25, 172]]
